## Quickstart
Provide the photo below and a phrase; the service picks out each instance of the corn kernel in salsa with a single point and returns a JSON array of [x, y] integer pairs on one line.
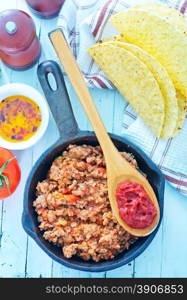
[[20, 118]]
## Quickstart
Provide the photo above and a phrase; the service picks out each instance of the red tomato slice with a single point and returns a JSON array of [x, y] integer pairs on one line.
[[10, 173]]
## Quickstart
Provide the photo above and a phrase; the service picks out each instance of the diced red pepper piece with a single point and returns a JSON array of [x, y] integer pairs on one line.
[[102, 170], [71, 198]]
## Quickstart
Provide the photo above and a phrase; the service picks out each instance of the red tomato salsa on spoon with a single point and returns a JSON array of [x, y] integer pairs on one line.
[[135, 206]]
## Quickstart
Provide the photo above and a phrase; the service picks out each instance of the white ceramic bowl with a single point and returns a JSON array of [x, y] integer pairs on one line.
[[28, 91]]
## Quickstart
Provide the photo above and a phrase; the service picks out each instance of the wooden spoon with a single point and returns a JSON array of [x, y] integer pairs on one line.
[[118, 169]]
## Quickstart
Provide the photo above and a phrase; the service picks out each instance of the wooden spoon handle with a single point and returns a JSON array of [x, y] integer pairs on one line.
[[71, 68]]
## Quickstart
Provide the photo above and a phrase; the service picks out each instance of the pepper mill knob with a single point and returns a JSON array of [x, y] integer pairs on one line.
[[11, 27]]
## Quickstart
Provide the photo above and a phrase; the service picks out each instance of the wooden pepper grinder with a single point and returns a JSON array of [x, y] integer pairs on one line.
[[45, 8], [19, 44]]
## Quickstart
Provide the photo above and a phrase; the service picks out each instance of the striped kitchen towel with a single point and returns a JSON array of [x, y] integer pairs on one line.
[[86, 22]]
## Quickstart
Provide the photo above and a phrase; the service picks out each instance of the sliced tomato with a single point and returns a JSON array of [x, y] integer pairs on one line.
[[10, 173]]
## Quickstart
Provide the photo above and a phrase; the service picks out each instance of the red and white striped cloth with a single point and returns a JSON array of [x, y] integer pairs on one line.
[[86, 21]]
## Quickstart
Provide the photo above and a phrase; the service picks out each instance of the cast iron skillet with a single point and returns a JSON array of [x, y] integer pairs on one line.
[[70, 134]]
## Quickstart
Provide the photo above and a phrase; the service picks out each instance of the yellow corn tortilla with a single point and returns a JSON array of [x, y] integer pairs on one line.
[[182, 104], [135, 82], [166, 86], [170, 14], [158, 37]]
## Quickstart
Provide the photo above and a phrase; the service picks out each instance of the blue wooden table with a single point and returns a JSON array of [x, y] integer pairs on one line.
[[20, 256]]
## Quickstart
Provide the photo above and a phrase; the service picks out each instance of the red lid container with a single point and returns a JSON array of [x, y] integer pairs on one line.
[[45, 8], [19, 45]]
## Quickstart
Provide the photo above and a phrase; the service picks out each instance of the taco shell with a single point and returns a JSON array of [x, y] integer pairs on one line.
[[160, 38], [172, 15], [135, 82], [182, 105], [166, 86]]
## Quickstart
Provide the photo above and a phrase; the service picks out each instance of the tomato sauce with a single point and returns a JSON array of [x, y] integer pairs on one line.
[[135, 206]]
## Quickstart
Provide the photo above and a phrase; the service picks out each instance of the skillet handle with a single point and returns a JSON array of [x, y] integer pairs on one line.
[[58, 99]]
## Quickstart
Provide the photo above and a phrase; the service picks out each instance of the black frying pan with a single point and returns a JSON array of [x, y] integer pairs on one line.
[[70, 134]]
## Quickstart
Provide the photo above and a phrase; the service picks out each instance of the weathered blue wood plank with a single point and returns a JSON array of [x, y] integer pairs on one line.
[[59, 271], [14, 240], [20, 256], [174, 244]]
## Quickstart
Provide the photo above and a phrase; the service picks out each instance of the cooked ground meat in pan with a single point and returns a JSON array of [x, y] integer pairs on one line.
[[73, 206]]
